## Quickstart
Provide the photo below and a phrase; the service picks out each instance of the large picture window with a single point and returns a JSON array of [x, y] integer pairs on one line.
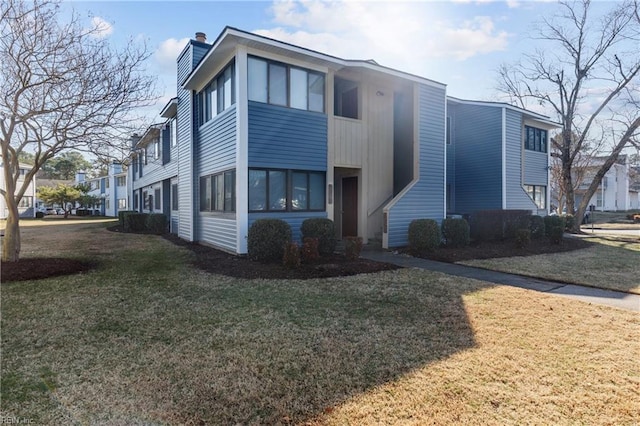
[[535, 139], [281, 84], [218, 95], [538, 194], [286, 190], [218, 192]]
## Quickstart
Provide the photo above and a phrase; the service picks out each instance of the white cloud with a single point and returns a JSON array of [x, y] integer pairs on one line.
[[401, 35], [167, 53], [101, 27]]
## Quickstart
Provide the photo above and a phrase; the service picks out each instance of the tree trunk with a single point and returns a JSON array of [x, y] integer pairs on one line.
[[11, 239]]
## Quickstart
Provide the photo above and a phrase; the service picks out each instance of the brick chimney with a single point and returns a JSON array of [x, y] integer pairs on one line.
[[201, 37]]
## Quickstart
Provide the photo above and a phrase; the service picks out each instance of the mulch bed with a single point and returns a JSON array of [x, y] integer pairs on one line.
[[36, 268], [494, 249], [218, 262]]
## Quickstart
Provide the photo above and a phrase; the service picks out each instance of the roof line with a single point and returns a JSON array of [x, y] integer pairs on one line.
[[504, 105]]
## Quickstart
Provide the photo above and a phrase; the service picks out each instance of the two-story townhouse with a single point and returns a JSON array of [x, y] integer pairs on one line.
[[497, 157], [111, 190], [270, 130], [615, 192], [26, 206], [265, 129]]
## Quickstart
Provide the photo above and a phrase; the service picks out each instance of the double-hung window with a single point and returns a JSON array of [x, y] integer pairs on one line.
[[218, 192], [285, 85], [286, 190], [219, 94], [538, 194], [535, 139]]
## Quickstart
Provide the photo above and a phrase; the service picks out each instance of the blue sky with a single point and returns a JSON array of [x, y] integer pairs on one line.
[[460, 43]]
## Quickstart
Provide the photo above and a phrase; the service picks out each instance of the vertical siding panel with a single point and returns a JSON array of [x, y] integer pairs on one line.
[[478, 158], [425, 199]]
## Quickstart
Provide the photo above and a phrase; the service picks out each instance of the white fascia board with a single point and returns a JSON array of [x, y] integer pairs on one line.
[[529, 114], [192, 82]]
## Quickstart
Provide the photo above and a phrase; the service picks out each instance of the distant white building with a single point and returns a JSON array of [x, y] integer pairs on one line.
[[26, 206], [111, 189], [615, 192]]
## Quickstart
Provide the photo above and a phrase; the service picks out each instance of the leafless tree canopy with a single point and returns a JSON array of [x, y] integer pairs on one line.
[[586, 73], [62, 86]]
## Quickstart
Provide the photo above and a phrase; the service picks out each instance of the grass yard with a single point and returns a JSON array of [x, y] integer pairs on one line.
[[613, 263], [147, 339]]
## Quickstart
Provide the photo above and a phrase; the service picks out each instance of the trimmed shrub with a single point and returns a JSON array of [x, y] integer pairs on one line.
[[536, 226], [156, 223], [495, 225], [551, 222], [455, 232], [569, 221], [522, 238], [267, 239], [352, 247], [122, 214], [324, 231], [39, 215], [309, 251], [135, 222], [555, 233], [424, 235], [291, 256]]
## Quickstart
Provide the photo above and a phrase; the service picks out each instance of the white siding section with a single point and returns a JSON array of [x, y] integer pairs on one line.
[[349, 138]]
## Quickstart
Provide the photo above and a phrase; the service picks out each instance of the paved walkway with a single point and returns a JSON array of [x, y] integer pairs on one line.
[[616, 299]]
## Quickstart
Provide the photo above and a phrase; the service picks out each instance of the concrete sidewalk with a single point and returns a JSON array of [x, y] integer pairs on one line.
[[613, 298]]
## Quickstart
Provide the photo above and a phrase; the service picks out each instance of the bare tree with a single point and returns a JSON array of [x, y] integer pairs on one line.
[[62, 86], [586, 72]]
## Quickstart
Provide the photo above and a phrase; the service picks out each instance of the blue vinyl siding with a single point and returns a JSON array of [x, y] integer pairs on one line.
[[478, 158], [535, 168], [517, 198], [216, 144], [294, 219], [424, 199], [216, 152], [286, 138], [451, 158]]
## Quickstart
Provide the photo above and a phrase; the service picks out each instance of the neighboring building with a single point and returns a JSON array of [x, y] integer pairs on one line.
[[265, 129], [616, 191], [26, 206], [111, 189], [497, 157]]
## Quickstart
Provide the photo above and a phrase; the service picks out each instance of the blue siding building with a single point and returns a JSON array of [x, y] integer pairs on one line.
[[500, 155], [265, 129]]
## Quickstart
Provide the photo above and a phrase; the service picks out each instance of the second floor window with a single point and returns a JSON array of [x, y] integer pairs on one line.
[[121, 180], [535, 139], [281, 84], [219, 94], [173, 128]]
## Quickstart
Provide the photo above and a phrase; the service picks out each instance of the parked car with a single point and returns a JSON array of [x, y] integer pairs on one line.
[[50, 210], [59, 211]]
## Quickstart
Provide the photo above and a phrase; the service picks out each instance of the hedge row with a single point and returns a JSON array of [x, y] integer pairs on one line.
[[150, 223]]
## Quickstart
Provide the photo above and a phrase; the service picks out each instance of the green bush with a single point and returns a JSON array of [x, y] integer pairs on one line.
[[324, 231], [551, 222], [522, 238], [291, 256], [536, 226], [352, 247], [496, 225], [424, 235], [455, 232], [39, 215], [569, 221], [555, 233], [135, 222], [156, 223], [309, 251], [267, 239], [122, 214]]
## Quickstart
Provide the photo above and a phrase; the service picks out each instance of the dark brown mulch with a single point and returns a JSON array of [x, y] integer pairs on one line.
[[490, 250], [44, 267], [218, 262]]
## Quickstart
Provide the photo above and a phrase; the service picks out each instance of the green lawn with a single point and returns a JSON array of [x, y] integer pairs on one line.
[[612, 263], [146, 339]]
